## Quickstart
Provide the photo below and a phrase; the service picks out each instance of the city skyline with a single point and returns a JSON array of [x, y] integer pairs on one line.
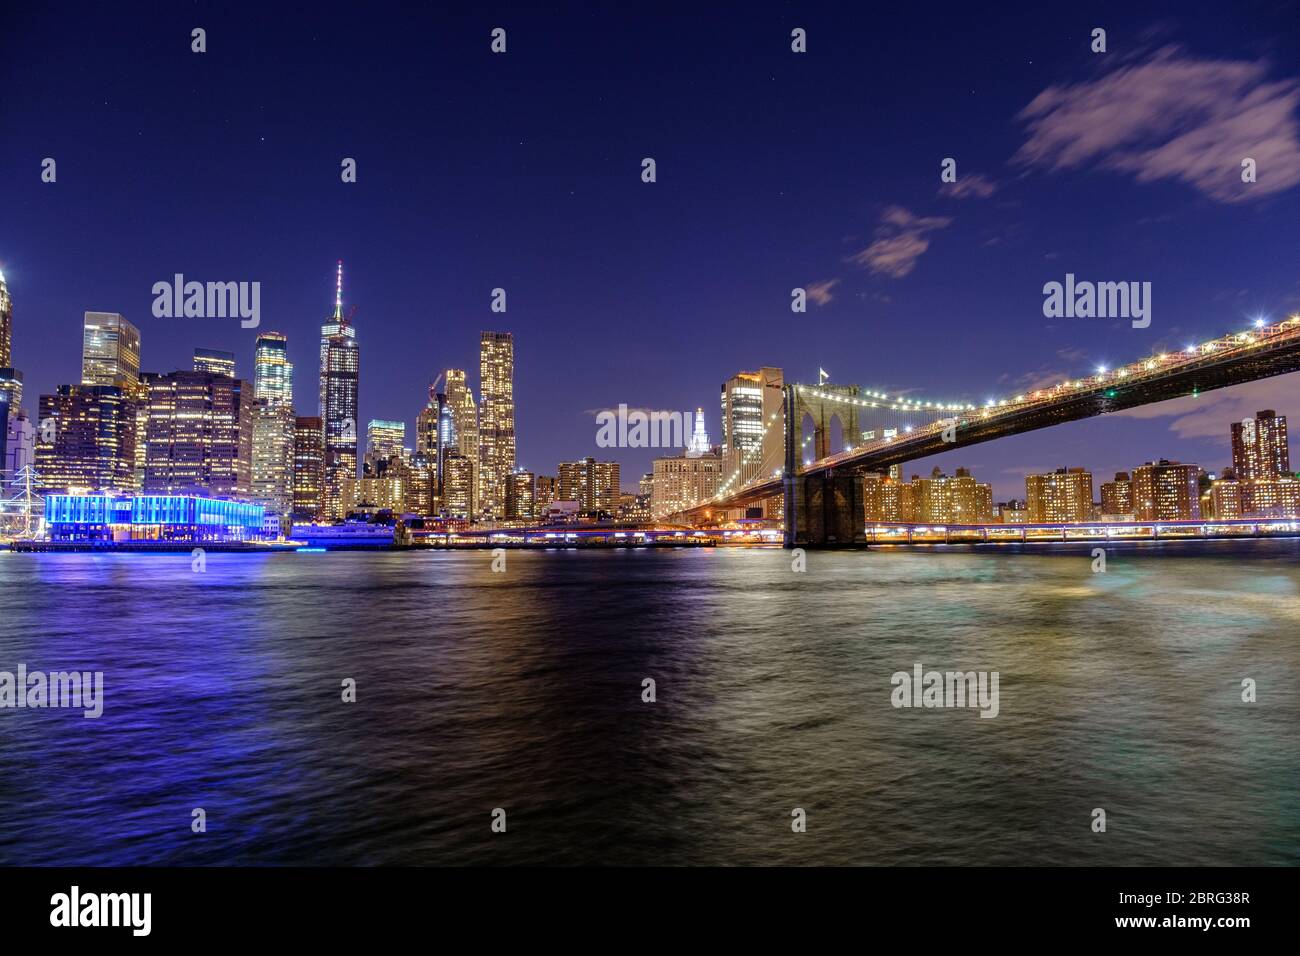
[[276, 376]]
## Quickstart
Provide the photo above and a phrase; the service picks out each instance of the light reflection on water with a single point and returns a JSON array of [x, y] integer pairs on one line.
[[523, 690]]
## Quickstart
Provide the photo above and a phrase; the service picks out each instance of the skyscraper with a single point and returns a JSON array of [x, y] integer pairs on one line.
[[340, 383], [753, 432], [87, 439], [272, 370], [11, 380], [1117, 495], [110, 352], [384, 439], [594, 485], [1260, 448], [200, 435], [496, 420], [274, 424], [11, 388], [308, 468], [6, 323], [336, 324], [215, 361]]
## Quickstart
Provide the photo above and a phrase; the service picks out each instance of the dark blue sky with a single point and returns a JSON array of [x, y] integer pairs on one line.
[[774, 170]]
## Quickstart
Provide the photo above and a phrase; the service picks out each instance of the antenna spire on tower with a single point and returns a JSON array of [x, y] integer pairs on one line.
[[338, 295]]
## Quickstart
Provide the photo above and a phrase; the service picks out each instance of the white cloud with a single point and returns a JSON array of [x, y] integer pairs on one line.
[[1173, 117]]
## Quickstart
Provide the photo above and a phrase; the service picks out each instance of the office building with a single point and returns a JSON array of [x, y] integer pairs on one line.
[[110, 353], [87, 439], [272, 370], [753, 429], [6, 325], [594, 485], [214, 362], [200, 435], [496, 426], [384, 439], [680, 482], [308, 468], [340, 389], [11, 388]]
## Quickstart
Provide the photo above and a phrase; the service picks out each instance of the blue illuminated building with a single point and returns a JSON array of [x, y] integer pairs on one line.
[[151, 518]]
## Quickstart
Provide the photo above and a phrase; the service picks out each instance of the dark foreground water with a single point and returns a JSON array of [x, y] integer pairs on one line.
[[522, 690]]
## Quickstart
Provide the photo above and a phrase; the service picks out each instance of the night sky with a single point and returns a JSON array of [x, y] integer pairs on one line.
[[775, 170]]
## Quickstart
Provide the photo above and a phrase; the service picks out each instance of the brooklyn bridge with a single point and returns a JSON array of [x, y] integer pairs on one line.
[[822, 492]]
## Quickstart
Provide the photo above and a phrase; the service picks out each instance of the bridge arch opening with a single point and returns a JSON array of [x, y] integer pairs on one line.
[[807, 437]]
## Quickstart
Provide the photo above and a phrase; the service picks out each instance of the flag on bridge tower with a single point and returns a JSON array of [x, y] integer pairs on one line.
[[822, 376]]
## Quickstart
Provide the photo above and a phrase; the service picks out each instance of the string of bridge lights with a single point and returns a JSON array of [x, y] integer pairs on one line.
[[876, 399], [758, 446]]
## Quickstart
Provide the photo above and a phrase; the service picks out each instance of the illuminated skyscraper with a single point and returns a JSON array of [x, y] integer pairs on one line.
[[699, 438], [1062, 496], [1260, 448], [215, 362], [272, 370], [11, 380], [200, 435], [753, 429], [336, 324], [384, 439], [458, 485], [11, 388], [594, 485], [274, 424], [110, 352], [496, 435], [340, 384], [86, 440], [6, 324], [1166, 491], [308, 468], [521, 496]]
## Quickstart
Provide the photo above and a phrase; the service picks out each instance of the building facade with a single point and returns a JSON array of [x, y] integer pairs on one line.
[[200, 435], [753, 429], [1117, 495], [496, 421], [1260, 448], [1166, 491], [1061, 496], [681, 482], [308, 468], [87, 439]]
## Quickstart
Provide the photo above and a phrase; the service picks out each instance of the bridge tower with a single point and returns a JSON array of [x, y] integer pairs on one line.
[[826, 509]]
